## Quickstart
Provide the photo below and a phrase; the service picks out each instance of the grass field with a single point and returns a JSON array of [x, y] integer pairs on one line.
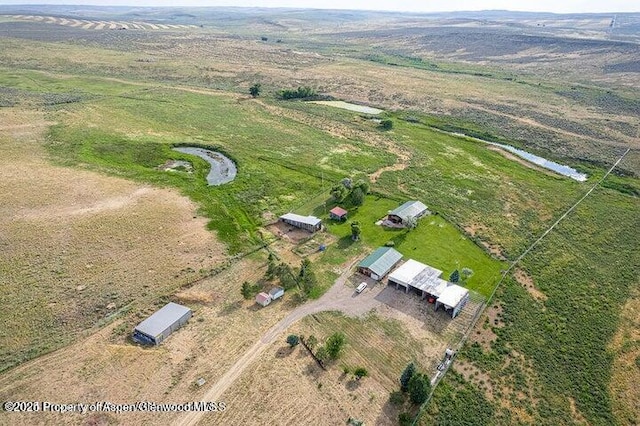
[[87, 214], [554, 350], [80, 248]]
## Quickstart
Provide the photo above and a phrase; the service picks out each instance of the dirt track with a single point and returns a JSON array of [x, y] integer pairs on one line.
[[338, 298]]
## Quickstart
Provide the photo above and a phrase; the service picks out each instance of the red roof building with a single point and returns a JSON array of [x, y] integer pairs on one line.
[[338, 213]]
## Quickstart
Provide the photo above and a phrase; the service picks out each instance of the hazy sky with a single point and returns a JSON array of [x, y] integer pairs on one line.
[[559, 6]]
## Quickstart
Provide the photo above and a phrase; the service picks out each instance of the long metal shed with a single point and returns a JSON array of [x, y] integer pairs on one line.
[[161, 324], [378, 264]]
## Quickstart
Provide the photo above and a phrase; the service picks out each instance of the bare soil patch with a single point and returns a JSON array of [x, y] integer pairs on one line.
[[526, 281], [289, 232]]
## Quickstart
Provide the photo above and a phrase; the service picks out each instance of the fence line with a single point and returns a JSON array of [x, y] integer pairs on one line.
[[465, 336]]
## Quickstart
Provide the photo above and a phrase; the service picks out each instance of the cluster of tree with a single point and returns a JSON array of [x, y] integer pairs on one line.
[[358, 372], [456, 276], [305, 279], [332, 348], [346, 189], [250, 290], [301, 92], [414, 384]]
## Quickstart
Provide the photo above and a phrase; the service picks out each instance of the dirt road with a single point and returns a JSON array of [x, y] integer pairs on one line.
[[339, 297]]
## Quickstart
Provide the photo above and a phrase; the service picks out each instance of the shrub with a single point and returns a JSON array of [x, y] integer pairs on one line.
[[293, 340], [386, 124], [397, 398]]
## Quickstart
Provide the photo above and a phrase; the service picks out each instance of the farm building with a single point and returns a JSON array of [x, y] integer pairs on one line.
[[263, 299], [161, 324], [425, 281], [276, 293], [338, 213], [378, 264], [310, 223], [409, 209], [453, 299], [421, 278]]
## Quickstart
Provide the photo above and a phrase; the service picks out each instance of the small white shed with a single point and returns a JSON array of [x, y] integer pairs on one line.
[[276, 293]]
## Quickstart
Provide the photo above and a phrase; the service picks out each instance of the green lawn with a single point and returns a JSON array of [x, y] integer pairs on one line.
[[434, 242]]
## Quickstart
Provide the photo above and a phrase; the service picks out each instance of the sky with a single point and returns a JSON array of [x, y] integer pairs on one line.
[[557, 6]]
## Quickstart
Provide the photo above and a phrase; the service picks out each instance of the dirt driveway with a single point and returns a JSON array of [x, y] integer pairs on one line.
[[340, 297]]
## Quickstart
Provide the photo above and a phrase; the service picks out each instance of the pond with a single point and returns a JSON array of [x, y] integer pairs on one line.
[[223, 170], [532, 158], [349, 106]]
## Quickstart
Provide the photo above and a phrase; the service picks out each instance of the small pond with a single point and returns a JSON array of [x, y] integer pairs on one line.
[[223, 170], [351, 107]]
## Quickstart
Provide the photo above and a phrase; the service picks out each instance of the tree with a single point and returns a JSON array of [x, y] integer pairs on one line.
[[397, 398], [293, 340], [386, 124], [306, 277], [404, 419], [363, 185], [419, 388], [339, 192], [360, 372], [357, 196], [411, 222], [454, 277], [406, 376], [347, 183], [272, 267], [466, 274], [255, 90], [287, 279], [355, 230], [334, 344], [248, 290]]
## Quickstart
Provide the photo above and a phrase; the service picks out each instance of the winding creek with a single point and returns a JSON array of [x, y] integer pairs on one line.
[[531, 158], [223, 170]]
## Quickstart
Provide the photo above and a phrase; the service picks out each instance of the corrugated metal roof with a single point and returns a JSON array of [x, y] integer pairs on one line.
[[275, 291], [418, 275], [381, 260], [162, 319], [452, 295], [308, 220], [410, 208]]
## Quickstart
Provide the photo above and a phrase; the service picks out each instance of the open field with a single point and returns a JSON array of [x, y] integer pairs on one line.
[[95, 235], [79, 247]]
